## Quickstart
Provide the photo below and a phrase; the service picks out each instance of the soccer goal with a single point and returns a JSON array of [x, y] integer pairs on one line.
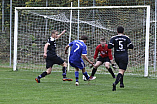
[[33, 26]]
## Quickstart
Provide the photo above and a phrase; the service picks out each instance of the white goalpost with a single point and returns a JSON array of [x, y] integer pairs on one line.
[[33, 26]]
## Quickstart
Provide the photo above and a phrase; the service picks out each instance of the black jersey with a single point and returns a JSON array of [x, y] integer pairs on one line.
[[121, 44], [51, 50]]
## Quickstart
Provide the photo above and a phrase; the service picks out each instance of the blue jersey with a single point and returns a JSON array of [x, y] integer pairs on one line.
[[78, 48]]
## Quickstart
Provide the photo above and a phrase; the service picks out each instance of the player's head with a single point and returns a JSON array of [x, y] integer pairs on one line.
[[54, 33], [102, 41], [84, 38], [120, 29]]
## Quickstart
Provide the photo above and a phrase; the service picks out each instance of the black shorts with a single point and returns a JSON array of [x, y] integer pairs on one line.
[[122, 61], [105, 59], [50, 61]]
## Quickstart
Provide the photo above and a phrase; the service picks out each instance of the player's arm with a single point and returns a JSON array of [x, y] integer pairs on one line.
[[84, 53], [66, 48], [111, 44], [129, 44], [69, 45], [86, 58], [111, 59], [58, 36], [96, 54], [45, 50]]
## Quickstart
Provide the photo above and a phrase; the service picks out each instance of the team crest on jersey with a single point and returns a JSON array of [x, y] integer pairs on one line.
[[103, 52]]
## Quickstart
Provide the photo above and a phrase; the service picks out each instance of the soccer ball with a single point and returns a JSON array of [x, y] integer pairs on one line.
[[84, 78]]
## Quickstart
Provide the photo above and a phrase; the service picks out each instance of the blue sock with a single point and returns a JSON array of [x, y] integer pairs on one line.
[[76, 75], [86, 75]]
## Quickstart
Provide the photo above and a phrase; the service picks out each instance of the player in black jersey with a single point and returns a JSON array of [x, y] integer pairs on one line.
[[121, 44], [52, 58]]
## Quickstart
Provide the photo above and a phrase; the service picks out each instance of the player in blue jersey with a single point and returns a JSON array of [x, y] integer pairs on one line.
[[121, 44], [78, 49], [52, 58]]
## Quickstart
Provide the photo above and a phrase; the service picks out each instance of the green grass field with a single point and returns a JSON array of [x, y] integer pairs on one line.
[[19, 87]]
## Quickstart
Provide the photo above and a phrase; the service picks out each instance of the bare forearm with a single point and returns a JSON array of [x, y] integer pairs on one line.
[[86, 58], [66, 48], [61, 34]]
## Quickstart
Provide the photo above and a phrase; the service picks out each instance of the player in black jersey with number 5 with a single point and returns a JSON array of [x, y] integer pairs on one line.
[[52, 58], [121, 44]]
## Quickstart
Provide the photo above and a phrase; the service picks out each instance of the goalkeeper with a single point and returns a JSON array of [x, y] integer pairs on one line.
[[105, 56], [52, 58]]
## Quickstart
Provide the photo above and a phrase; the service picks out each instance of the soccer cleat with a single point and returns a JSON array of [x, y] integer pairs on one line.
[[76, 83], [114, 87], [37, 80], [67, 79], [91, 78], [121, 85]]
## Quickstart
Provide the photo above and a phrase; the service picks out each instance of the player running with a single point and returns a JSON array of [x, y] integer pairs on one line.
[[105, 56], [52, 58], [121, 44], [78, 49]]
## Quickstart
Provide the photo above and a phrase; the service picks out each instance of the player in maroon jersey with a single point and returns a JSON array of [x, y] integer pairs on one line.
[[105, 56]]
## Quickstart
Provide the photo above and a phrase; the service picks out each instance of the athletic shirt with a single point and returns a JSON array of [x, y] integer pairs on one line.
[[51, 50], [121, 43], [78, 48], [104, 51]]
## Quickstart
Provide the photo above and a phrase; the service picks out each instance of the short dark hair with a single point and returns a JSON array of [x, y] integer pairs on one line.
[[120, 29], [102, 38], [84, 37], [54, 31]]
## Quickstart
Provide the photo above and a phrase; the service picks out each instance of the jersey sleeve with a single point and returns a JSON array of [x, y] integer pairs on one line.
[[71, 43], [84, 50], [48, 41], [96, 52], [111, 43], [129, 44]]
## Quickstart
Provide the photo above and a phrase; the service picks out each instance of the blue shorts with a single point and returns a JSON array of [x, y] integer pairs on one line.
[[79, 65]]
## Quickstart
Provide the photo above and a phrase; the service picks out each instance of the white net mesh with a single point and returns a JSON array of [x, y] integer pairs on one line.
[[35, 26]]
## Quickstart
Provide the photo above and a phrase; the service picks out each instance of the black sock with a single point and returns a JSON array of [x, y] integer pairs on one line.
[[110, 70], [119, 76], [42, 75], [93, 71], [64, 72], [121, 80]]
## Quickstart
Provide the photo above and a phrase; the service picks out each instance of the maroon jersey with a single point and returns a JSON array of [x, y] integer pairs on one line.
[[104, 51]]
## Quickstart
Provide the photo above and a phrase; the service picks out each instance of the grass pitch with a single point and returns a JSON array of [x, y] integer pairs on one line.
[[19, 87]]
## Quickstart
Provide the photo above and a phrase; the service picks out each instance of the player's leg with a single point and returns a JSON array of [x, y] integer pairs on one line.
[[98, 63], [49, 64], [122, 62], [85, 73], [77, 76], [64, 70], [48, 71], [118, 78], [59, 61], [107, 65], [121, 82]]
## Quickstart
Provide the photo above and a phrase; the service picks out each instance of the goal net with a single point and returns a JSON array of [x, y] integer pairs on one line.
[[33, 26]]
